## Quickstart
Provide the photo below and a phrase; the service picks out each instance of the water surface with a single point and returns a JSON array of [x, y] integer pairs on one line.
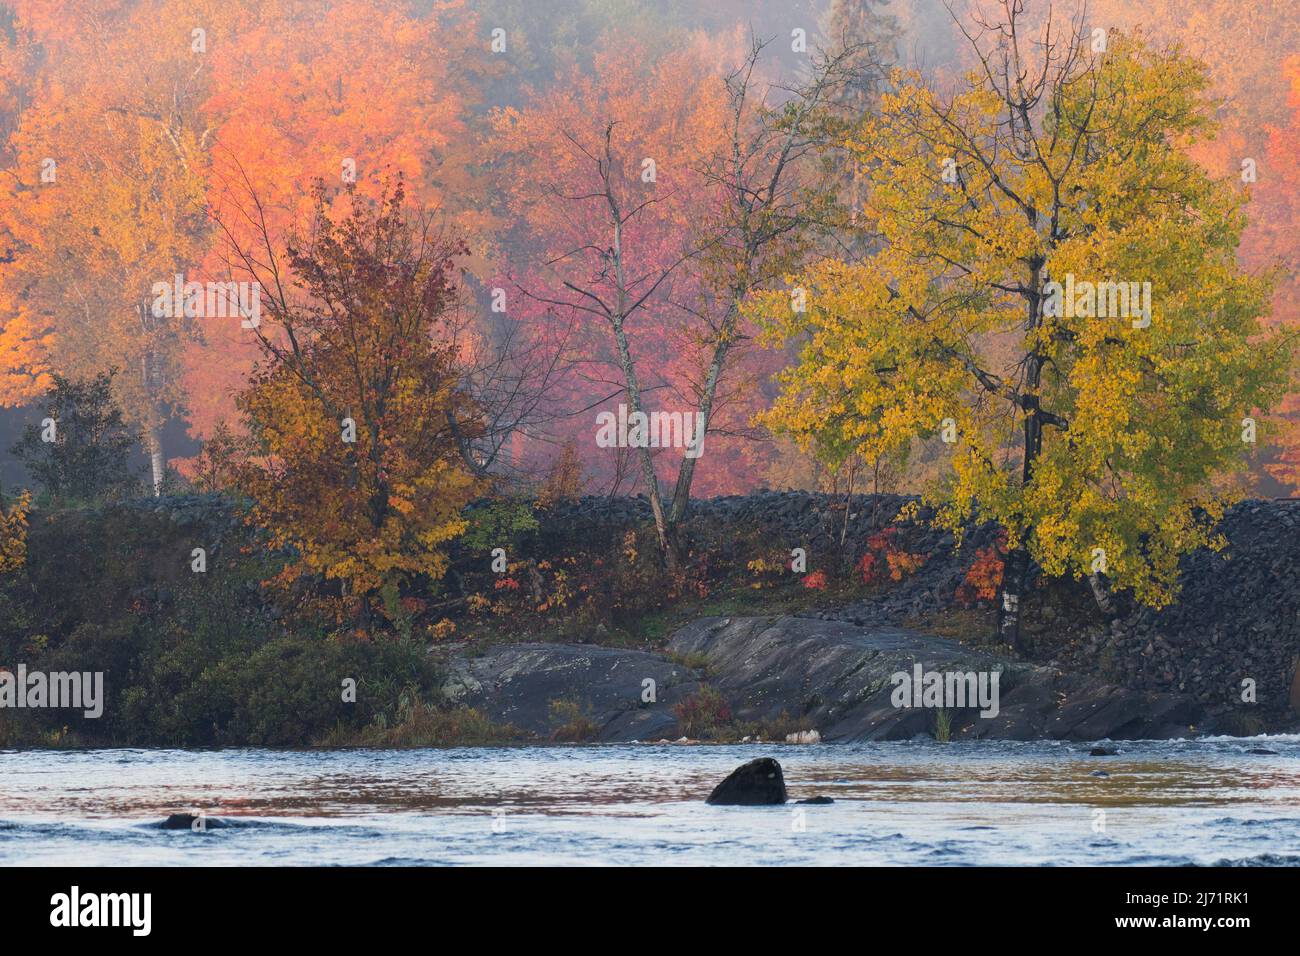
[[917, 802]]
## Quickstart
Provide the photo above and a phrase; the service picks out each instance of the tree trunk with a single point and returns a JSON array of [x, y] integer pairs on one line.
[[686, 473], [663, 527], [157, 461], [1016, 569], [1014, 574], [536, 586], [1101, 594], [153, 431], [365, 616], [845, 557]]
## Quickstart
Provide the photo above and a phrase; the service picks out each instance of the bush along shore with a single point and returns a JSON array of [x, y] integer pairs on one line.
[[558, 623]]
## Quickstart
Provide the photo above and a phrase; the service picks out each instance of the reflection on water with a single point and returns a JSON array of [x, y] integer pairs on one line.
[[895, 803]]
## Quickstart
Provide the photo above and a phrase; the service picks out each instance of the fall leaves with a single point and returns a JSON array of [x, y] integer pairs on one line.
[[1076, 432], [106, 197], [358, 405], [145, 119], [13, 532], [629, 220]]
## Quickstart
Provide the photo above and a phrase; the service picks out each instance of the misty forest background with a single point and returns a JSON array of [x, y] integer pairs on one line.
[[478, 225], [154, 140]]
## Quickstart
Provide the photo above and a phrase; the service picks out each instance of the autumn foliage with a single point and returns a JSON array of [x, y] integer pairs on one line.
[[1076, 429], [357, 405], [886, 560], [601, 213], [125, 126], [983, 579], [13, 532]]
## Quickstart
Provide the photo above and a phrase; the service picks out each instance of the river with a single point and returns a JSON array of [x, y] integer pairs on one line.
[[917, 802]]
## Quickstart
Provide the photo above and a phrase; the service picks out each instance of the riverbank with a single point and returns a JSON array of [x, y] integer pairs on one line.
[[558, 645]]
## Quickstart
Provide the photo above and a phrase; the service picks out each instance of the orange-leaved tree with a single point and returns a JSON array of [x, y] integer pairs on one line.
[[343, 91], [1274, 240], [654, 201], [105, 199], [604, 180]]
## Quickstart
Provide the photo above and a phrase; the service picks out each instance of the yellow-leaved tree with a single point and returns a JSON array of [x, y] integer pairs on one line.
[[1054, 291], [13, 532]]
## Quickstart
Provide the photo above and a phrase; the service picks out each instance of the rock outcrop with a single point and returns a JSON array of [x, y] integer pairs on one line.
[[838, 678], [621, 694], [833, 678]]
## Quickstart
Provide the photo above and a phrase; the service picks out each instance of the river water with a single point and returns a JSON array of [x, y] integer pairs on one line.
[[919, 802]]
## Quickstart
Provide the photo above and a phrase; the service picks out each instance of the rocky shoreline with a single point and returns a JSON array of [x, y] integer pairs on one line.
[[1237, 618], [1234, 632]]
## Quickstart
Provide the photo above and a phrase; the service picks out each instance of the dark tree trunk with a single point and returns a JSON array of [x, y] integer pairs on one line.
[[1101, 594], [1016, 571], [1015, 574]]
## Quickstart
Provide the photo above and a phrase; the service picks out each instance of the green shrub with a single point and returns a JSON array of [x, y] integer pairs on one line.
[[575, 725], [424, 725], [704, 715]]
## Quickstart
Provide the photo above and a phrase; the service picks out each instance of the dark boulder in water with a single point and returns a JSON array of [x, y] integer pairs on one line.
[[757, 783], [1263, 751], [190, 821], [1103, 752], [816, 801]]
